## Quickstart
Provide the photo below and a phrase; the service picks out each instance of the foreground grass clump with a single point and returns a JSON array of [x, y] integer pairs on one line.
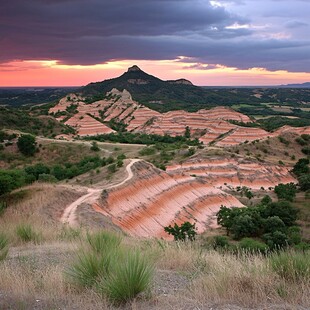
[[26, 233], [127, 278], [4, 249], [291, 265], [106, 266]]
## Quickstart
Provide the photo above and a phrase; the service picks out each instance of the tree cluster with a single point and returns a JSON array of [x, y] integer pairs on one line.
[[270, 221]]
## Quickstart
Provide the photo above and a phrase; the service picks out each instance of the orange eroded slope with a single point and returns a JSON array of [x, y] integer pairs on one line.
[[154, 199], [235, 172]]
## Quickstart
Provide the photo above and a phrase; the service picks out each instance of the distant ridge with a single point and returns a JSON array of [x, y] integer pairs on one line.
[[302, 85]]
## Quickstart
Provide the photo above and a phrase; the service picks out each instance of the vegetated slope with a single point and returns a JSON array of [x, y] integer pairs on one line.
[[193, 191], [19, 96], [22, 120]]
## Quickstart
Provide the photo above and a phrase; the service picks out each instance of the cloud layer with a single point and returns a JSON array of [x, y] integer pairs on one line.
[[212, 32]]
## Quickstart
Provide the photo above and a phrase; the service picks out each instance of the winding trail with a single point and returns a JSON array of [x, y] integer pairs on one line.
[[93, 194]]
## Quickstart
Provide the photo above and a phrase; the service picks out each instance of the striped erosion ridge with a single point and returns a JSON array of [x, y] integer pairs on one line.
[[193, 191], [211, 126], [155, 199]]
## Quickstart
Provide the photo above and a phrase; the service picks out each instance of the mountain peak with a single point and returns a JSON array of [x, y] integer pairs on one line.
[[134, 68]]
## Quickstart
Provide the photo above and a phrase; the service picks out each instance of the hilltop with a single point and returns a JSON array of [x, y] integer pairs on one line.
[[179, 94]]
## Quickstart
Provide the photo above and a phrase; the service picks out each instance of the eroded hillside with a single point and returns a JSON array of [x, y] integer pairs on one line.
[[118, 108]]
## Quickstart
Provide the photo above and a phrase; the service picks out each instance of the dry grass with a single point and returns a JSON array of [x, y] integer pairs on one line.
[[188, 276], [39, 206]]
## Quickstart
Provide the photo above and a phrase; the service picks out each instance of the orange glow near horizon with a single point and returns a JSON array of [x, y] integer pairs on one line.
[[52, 73]]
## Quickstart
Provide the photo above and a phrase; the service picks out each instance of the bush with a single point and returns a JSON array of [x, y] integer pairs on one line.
[[293, 266], [112, 168], [48, 178], [186, 231], [4, 249], [276, 240], [253, 246], [301, 167], [27, 234], [27, 145], [306, 150], [286, 191], [304, 182], [220, 242], [94, 147]]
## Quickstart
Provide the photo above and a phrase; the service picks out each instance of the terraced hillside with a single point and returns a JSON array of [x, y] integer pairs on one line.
[[193, 191], [210, 126], [155, 199]]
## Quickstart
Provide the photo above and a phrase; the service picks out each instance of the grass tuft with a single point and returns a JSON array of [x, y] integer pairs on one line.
[[128, 278], [4, 249], [103, 241], [26, 233], [291, 265]]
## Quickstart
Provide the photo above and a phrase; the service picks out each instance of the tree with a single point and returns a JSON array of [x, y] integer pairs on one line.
[[186, 231], [304, 182], [266, 200], [187, 133], [286, 191], [27, 145], [283, 209], [302, 166], [226, 216]]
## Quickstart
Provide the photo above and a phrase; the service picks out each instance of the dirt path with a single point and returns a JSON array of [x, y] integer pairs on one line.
[[93, 194]]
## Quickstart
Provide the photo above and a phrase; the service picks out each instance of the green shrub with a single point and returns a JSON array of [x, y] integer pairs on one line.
[[26, 233], [220, 242], [186, 231], [286, 191], [94, 147], [112, 168], [291, 265], [4, 249], [253, 246], [128, 278], [27, 145], [147, 151], [276, 240], [48, 178]]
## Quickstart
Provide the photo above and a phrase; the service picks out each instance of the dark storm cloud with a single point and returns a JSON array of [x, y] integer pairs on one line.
[[96, 31]]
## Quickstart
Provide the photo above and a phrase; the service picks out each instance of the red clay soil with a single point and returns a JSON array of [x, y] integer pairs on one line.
[[155, 199], [235, 172]]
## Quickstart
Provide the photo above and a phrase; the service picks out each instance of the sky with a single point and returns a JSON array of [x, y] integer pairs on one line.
[[220, 42]]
